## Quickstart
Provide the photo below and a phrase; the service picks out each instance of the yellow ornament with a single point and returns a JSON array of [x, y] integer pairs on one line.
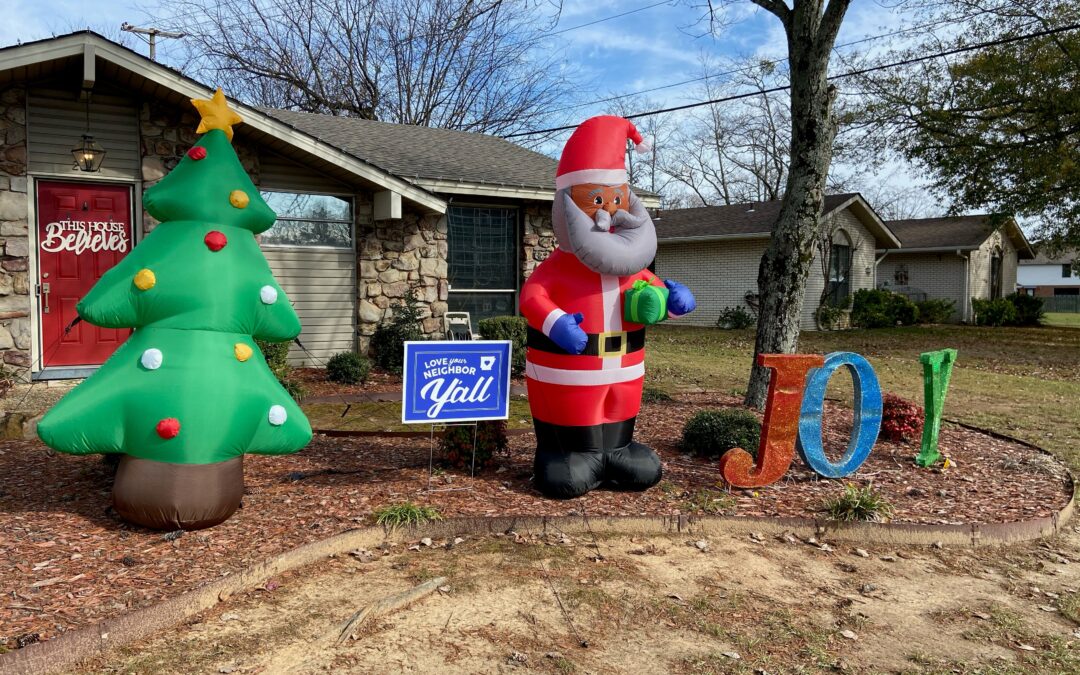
[[216, 114], [242, 351], [239, 199], [145, 279]]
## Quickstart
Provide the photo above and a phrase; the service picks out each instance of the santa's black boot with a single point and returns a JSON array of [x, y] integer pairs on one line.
[[628, 465], [569, 460]]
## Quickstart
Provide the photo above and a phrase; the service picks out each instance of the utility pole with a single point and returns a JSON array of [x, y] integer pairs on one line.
[[153, 33]]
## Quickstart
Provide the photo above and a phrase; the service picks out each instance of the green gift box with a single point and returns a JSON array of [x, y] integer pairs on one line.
[[645, 303]]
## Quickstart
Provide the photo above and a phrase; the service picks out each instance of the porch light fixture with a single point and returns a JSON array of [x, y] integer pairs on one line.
[[88, 153]]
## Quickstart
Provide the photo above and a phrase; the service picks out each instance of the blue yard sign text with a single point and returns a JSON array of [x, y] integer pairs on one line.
[[456, 381]]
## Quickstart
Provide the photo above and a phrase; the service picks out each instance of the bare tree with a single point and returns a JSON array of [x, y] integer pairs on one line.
[[646, 171], [810, 27], [461, 64]]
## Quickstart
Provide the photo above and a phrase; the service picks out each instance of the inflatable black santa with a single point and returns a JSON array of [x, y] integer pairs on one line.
[[587, 306]]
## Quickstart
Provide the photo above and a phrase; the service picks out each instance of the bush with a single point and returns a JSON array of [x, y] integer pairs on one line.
[[348, 368], [935, 311], [735, 318], [1029, 309], [406, 513], [855, 503], [513, 328], [277, 358], [456, 444], [901, 420], [711, 433], [998, 312], [388, 342], [875, 308]]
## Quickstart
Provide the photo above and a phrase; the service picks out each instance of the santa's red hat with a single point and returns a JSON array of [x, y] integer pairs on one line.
[[596, 152]]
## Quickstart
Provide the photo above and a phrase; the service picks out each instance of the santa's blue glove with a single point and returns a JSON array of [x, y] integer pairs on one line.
[[566, 333], [680, 300]]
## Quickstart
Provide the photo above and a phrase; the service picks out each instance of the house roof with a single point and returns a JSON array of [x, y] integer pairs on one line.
[[957, 233], [1065, 257], [426, 155], [755, 220]]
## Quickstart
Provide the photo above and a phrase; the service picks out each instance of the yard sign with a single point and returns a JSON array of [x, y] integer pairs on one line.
[[451, 381]]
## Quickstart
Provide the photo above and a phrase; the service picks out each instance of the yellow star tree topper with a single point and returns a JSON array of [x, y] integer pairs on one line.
[[216, 114]]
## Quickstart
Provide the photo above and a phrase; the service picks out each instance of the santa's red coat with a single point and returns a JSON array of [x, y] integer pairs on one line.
[[580, 390]]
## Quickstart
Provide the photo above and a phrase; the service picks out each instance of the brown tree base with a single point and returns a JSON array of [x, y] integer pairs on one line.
[[170, 497]]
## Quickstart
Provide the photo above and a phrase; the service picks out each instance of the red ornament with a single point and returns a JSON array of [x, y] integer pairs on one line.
[[215, 241], [168, 428], [197, 152]]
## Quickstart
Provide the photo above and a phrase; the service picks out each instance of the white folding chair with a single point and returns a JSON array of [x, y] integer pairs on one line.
[[457, 326]]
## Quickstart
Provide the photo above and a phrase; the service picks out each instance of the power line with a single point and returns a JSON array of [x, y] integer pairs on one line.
[[607, 18], [850, 73]]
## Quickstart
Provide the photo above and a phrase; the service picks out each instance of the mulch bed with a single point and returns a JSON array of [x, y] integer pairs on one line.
[[66, 561]]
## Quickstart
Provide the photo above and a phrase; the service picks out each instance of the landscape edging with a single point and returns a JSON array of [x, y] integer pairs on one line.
[[83, 644]]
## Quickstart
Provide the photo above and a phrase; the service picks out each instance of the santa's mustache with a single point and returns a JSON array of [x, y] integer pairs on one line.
[[620, 244]]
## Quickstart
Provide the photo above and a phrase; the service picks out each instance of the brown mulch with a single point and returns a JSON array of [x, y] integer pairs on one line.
[[66, 561]]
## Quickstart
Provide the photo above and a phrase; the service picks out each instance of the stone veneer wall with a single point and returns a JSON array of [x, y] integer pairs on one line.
[[14, 238], [539, 238], [394, 256]]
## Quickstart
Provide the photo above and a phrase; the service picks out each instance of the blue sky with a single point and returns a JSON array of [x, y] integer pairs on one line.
[[642, 50]]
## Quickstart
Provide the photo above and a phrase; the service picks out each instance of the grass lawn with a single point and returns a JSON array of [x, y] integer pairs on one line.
[[1062, 319], [1024, 382]]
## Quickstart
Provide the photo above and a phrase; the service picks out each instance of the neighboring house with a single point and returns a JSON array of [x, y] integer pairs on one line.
[[716, 251], [366, 209], [1047, 276], [953, 258]]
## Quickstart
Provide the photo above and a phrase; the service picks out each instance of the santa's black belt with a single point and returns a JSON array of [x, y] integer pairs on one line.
[[612, 343]]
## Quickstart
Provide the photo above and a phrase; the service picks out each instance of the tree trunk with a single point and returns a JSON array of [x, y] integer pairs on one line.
[[789, 256]]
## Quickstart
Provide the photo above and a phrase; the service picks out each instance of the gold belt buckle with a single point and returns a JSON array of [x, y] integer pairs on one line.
[[602, 340]]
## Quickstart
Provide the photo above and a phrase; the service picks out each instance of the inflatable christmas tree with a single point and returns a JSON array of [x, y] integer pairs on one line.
[[189, 393]]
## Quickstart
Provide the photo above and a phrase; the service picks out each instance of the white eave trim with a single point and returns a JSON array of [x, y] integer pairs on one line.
[[456, 187], [710, 237], [928, 249], [75, 45]]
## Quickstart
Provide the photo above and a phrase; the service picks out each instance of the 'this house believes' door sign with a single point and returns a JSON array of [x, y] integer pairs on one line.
[[456, 381]]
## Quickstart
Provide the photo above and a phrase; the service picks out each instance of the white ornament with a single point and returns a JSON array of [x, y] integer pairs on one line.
[[268, 294], [278, 415], [151, 359]]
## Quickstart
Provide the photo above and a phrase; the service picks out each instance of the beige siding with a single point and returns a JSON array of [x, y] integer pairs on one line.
[[939, 275], [720, 273], [321, 283], [279, 173], [57, 121]]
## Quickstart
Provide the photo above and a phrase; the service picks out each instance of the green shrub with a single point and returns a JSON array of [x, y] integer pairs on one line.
[[405, 513], [513, 328], [1029, 309], [735, 318], [456, 444], [711, 433], [865, 504], [388, 342], [876, 308], [997, 312], [277, 358], [828, 317], [348, 368], [935, 311], [655, 395]]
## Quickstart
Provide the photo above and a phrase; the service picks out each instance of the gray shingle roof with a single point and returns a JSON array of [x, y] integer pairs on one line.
[[965, 232], [423, 152], [1065, 257], [750, 219]]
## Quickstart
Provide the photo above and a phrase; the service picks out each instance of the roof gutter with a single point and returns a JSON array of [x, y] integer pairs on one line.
[[931, 249], [713, 237]]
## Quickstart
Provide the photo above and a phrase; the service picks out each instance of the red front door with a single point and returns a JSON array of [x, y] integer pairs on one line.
[[83, 230]]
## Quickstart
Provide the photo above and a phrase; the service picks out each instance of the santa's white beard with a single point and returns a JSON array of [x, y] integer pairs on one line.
[[620, 245]]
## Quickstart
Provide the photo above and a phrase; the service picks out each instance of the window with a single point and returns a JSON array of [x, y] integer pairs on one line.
[[483, 260], [995, 275], [323, 221], [840, 270], [1066, 271]]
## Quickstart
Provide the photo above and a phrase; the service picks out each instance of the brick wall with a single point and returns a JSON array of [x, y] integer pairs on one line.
[[939, 275], [721, 273], [14, 237]]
